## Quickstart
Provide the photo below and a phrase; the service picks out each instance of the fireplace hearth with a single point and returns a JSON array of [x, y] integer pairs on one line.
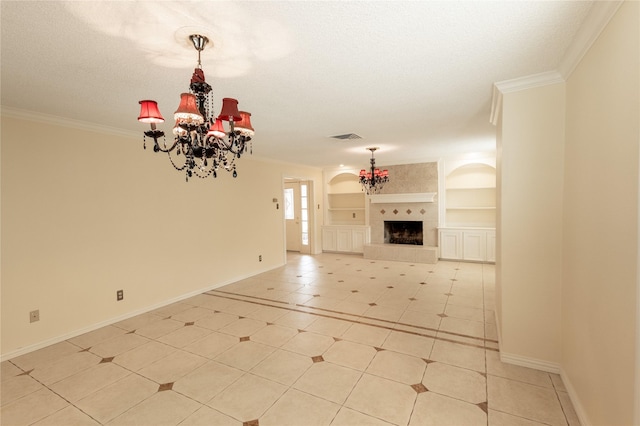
[[403, 232]]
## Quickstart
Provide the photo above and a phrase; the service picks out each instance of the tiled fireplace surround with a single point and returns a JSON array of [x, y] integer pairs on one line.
[[406, 179]]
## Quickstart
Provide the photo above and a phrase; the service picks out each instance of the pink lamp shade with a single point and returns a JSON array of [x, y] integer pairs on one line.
[[363, 173], [188, 109], [244, 125], [217, 130], [230, 110], [149, 112]]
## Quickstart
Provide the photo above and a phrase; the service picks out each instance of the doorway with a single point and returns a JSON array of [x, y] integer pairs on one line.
[[297, 195]]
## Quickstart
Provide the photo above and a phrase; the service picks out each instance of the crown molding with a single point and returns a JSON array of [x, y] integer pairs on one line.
[[517, 84], [54, 120], [599, 16], [529, 82]]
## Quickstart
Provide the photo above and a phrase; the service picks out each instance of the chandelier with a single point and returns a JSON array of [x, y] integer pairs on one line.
[[201, 145], [373, 180]]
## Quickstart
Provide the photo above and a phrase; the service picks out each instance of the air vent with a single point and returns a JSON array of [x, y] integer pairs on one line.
[[346, 136]]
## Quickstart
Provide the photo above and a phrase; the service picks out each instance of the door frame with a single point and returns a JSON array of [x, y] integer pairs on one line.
[[311, 249]]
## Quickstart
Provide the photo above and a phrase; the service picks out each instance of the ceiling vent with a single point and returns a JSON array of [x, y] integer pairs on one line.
[[346, 136]]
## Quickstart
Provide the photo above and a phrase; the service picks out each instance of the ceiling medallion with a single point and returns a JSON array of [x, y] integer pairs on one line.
[[201, 145], [373, 180]]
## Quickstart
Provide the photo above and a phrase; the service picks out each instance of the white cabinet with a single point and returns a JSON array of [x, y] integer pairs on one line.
[[472, 244], [347, 239], [450, 244], [329, 238], [344, 239], [491, 246]]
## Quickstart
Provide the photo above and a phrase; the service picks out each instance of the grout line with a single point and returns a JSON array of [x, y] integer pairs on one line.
[[436, 337]]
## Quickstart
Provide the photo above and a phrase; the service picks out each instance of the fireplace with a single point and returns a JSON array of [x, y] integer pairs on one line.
[[403, 232]]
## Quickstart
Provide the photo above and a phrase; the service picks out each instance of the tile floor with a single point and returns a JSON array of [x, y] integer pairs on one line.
[[325, 340]]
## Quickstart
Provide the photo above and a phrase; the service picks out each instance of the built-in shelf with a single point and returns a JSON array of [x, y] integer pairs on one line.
[[419, 197], [345, 201], [470, 196]]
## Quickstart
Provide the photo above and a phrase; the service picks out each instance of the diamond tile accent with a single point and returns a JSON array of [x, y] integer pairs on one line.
[[188, 324], [165, 387], [251, 423], [408, 211], [448, 294], [389, 286], [484, 406], [354, 291], [428, 361], [26, 373], [372, 304], [443, 315], [105, 360], [245, 339], [395, 211], [419, 388], [382, 211], [378, 349], [422, 211], [316, 295], [317, 358], [412, 299]]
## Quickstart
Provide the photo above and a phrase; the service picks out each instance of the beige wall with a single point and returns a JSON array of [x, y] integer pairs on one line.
[[601, 223], [529, 267], [85, 214]]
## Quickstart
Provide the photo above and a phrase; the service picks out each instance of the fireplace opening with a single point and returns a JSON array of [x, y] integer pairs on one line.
[[403, 232]]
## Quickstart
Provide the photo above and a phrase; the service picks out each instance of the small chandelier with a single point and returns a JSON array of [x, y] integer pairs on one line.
[[372, 181], [201, 145]]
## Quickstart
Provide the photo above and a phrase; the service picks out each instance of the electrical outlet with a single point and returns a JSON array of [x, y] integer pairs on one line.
[[34, 316], [260, 258], [119, 295]]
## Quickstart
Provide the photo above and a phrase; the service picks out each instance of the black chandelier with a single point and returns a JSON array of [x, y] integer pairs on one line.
[[201, 145], [373, 180]]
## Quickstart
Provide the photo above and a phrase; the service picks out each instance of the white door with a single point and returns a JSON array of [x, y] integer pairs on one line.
[[296, 213], [292, 214]]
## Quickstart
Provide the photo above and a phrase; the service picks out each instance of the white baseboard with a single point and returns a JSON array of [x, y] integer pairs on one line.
[[549, 367], [573, 396], [537, 364], [110, 321]]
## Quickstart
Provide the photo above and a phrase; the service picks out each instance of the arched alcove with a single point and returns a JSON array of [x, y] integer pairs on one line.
[[471, 196]]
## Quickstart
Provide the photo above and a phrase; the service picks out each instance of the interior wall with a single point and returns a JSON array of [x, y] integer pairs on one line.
[[529, 266], [85, 214], [600, 224]]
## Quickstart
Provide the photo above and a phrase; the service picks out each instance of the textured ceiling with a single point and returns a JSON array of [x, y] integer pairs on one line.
[[413, 78]]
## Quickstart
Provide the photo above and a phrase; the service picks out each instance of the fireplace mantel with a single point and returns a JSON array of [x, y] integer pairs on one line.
[[418, 197]]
